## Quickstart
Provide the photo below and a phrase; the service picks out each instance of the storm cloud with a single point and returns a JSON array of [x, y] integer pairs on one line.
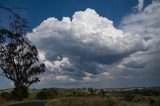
[[87, 41], [88, 50]]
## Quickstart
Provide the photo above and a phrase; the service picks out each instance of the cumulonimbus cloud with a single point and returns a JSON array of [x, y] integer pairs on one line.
[[85, 41]]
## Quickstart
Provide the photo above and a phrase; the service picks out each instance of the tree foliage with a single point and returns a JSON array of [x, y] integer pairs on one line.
[[18, 57]]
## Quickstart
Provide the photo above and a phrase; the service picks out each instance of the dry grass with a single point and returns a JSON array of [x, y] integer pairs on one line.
[[91, 101], [3, 102], [70, 98]]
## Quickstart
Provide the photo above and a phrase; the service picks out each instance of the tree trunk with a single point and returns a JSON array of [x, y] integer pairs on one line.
[[20, 91]]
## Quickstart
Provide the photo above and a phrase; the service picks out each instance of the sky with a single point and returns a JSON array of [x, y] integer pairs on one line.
[[93, 43]]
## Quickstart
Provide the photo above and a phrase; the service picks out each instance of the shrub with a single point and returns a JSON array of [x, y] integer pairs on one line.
[[102, 93], [129, 98], [92, 91], [41, 95], [46, 94], [6, 95]]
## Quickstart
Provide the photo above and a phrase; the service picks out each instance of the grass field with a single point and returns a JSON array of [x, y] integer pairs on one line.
[[91, 97], [92, 101]]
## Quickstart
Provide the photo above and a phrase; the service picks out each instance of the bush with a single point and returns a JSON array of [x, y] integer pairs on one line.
[[129, 98], [92, 91], [154, 102], [41, 95], [6, 95], [46, 94], [102, 93]]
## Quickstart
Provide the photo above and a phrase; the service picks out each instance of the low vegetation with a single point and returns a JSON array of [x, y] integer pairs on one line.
[[91, 97], [92, 101]]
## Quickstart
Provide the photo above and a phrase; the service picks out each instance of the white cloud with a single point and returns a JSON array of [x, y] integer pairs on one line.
[[87, 34], [145, 23], [82, 42], [87, 78], [51, 77], [144, 65], [140, 5], [120, 66], [64, 78], [59, 64], [56, 65]]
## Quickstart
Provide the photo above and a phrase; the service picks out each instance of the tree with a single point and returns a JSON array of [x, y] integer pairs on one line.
[[92, 91], [102, 93], [19, 58]]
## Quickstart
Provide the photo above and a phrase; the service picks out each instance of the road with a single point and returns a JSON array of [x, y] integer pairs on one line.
[[33, 103]]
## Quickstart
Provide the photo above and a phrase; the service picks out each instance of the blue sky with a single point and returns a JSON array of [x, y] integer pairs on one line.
[[93, 43], [37, 11]]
